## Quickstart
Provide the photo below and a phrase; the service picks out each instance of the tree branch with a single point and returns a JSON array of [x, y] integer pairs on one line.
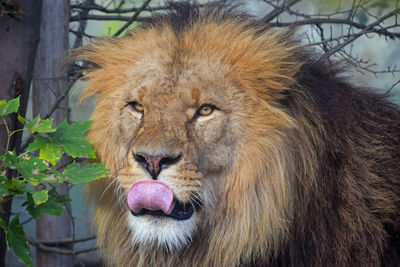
[[105, 17], [315, 21], [63, 96], [57, 242], [80, 34], [391, 88], [58, 250], [279, 10], [132, 19], [366, 30], [116, 10], [82, 26]]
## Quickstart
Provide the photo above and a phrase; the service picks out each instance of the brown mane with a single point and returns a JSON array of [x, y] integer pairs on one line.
[[316, 182]]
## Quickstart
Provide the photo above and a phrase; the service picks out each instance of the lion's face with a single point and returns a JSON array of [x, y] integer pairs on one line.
[[189, 127], [180, 129]]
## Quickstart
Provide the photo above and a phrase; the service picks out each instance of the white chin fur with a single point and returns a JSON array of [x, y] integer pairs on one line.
[[161, 232]]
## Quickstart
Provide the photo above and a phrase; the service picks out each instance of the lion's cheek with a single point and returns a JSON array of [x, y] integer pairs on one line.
[[215, 158]]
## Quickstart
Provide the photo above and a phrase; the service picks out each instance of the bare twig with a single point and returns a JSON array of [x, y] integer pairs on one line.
[[115, 10], [82, 26], [313, 21], [103, 17], [279, 10], [132, 19], [63, 241], [80, 34], [63, 96], [58, 250], [366, 30], [321, 33], [391, 88], [362, 65]]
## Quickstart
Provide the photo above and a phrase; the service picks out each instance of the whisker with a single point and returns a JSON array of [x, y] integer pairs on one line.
[[115, 179], [196, 200]]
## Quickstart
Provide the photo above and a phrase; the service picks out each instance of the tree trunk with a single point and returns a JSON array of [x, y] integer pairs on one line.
[[18, 43], [50, 83]]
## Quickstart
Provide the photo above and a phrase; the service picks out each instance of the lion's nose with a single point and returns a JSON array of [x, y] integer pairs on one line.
[[154, 164]]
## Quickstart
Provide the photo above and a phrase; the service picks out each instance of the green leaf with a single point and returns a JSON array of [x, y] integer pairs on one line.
[[40, 126], [61, 199], [3, 224], [57, 175], [39, 197], [53, 205], [15, 237], [21, 119], [49, 150], [71, 137], [55, 172], [5, 184], [11, 187], [32, 170], [78, 174], [17, 186], [9, 107], [68, 138], [10, 159]]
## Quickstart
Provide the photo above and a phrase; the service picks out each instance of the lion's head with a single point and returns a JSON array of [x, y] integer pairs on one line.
[[188, 120]]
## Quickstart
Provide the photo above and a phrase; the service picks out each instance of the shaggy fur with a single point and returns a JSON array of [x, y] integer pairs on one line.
[[295, 166]]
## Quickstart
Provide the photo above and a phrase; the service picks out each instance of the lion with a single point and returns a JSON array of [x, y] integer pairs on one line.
[[231, 144]]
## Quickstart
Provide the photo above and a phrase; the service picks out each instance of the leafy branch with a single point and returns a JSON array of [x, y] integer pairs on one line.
[[39, 165]]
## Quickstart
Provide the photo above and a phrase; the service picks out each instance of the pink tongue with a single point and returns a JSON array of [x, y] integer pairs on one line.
[[151, 195]]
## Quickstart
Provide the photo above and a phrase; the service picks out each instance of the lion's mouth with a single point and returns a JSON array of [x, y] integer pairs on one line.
[[181, 211], [151, 197]]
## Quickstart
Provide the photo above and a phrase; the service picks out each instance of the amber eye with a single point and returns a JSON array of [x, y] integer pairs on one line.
[[205, 110], [136, 107]]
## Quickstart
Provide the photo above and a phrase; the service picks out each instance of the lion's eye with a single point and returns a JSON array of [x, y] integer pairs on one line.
[[205, 110], [135, 106]]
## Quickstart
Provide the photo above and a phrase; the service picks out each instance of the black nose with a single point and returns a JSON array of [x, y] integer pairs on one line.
[[154, 164]]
